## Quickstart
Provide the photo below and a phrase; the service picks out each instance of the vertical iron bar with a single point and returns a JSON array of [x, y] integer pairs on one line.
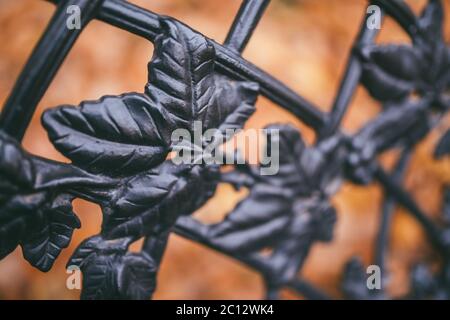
[[403, 198], [248, 16], [388, 210], [42, 66]]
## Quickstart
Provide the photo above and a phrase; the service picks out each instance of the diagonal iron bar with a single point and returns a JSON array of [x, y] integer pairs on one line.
[[186, 227], [42, 66], [245, 23], [350, 80]]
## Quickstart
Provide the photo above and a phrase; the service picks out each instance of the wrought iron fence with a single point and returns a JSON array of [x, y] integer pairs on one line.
[[119, 147]]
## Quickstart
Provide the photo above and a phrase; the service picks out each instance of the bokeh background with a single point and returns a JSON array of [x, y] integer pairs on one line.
[[305, 43]]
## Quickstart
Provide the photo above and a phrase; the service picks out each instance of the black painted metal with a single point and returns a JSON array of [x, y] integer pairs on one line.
[[119, 144], [245, 23], [34, 80], [350, 80]]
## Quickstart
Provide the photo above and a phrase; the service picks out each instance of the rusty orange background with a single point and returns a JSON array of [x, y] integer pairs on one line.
[[304, 43]]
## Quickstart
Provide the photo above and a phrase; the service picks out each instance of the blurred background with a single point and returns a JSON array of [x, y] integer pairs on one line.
[[304, 43]]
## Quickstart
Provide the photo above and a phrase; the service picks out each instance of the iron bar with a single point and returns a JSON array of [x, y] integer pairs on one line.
[[388, 209], [38, 73], [245, 23], [308, 290], [187, 228], [350, 80]]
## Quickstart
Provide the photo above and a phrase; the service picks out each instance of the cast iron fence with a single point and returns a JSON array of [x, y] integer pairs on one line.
[[119, 146]]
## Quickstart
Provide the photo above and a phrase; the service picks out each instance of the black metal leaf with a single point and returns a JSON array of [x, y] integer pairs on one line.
[[137, 276], [99, 280], [41, 223], [137, 195], [132, 132], [182, 81], [133, 212], [260, 218], [423, 283], [393, 72], [35, 203], [402, 126], [51, 231], [287, 211], [431, 43], [354, 280], [114, 132], [16, 169], [14, 220], [109, 272], [97, 244], [446, 204], [390, 72], [240, 94], [310, 223], [119, 146], [256, 222]]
